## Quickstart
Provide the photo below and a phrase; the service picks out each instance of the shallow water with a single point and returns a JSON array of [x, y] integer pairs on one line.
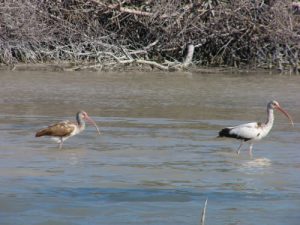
[[158, 157]]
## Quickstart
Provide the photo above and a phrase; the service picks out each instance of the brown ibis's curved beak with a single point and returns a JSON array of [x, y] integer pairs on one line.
[[92, 122], [286, 114]]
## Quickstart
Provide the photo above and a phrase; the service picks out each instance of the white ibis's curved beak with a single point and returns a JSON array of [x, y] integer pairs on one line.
[[286, 114], [92, 122]]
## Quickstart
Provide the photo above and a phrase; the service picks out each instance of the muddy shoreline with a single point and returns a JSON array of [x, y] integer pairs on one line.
[[65, 67]]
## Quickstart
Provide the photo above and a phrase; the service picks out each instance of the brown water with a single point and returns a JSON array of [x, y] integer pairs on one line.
[[157, 159]]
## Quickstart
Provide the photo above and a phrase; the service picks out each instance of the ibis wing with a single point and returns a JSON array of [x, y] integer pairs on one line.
[[246, 131], [61, 129]]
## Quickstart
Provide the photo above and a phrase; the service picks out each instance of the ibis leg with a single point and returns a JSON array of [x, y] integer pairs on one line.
[[239, 148], [61, 143], [250, 150]]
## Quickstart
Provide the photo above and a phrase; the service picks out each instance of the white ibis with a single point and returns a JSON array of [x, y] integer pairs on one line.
[[254, 131], [63, 130]]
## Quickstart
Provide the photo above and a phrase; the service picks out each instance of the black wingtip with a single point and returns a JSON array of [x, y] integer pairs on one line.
[[225, 132]]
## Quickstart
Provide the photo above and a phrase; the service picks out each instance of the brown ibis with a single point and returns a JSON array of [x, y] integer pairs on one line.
[[251, 132], [65, 129]]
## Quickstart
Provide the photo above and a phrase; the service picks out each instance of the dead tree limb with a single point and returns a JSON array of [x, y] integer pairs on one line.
[[189, 56], [122, 9]]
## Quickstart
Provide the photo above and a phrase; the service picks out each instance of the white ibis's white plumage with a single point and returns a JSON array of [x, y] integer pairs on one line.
[[63, 130], [254, 131]]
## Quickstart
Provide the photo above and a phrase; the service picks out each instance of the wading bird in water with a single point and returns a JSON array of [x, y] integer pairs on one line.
[[251, 132], [63, 130]]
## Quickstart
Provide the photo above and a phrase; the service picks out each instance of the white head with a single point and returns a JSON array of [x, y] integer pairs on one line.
[[82, 115], [275, 105]]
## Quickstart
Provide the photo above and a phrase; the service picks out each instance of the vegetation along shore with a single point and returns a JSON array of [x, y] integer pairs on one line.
[[165, 35]]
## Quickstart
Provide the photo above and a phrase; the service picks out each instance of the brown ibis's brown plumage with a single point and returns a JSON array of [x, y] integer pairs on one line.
[[65, 129]]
